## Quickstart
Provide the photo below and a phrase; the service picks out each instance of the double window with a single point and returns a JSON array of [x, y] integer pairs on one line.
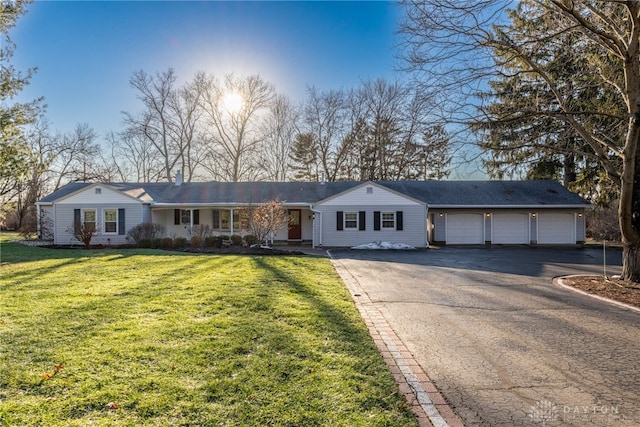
[[105, 221], [222, 219]]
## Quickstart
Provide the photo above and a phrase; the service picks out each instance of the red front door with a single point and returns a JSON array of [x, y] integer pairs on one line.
[[295, 228]]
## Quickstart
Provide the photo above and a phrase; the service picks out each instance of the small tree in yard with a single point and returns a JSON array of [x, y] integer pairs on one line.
[[83, 232], [267, 218]]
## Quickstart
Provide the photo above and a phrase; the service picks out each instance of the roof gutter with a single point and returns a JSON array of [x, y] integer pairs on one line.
[[214, 205], [585, 206]]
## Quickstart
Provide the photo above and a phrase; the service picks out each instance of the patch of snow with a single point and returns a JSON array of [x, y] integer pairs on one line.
[[384, 245]]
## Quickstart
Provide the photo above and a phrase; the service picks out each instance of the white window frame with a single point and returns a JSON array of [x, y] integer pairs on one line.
[[387, 220], [223, 215], [185, 214], [104, 225], [95, 218], [354, 221]]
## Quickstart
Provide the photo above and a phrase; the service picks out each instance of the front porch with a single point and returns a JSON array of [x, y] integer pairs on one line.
[[230, 221]]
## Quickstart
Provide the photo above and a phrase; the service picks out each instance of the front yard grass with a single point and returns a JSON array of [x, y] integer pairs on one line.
[[146, 337]]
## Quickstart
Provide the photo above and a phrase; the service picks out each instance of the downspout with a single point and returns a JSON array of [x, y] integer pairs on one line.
[[426, 228], [316, 214], [38, 221]]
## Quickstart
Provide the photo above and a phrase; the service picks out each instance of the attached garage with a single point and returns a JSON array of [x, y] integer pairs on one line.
[[556, 228], [510, 229], [465, 229]]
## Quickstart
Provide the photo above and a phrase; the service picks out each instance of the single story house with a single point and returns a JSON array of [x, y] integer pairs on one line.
[[330, 214]]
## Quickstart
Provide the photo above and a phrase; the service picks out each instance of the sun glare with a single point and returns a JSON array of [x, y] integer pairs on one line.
[[232, 102]]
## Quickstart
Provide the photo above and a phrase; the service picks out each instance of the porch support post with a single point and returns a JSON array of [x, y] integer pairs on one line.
[[231, 213]]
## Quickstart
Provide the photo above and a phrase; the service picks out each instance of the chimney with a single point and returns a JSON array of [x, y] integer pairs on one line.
[[322, 178], [178, 177]]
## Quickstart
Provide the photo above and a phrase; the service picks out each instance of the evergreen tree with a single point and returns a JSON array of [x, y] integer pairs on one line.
[[15, 156]]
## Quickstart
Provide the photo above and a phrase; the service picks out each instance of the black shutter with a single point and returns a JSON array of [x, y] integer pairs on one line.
[[121, 221], [76, 221], [339, 220], [399, 224], [176, 216], [362, 217], [196, 216], [376, 220]]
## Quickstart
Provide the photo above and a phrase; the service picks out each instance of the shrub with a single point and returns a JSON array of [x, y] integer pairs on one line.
[[210, 241], [144, 243], [179, 242], [250, 239], [201, 230], [167, 243], [196, 241], [236, 240], [145, 231]]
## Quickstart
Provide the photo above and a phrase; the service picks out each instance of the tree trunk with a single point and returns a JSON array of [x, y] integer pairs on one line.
[[631, 262]]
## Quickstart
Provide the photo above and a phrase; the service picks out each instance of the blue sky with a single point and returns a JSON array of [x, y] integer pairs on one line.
[[86, 51]]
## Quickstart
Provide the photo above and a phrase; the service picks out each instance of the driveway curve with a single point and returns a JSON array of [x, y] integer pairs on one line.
[[503, 345]]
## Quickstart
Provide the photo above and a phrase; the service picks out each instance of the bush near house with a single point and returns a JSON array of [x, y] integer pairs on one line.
[[145, 231]]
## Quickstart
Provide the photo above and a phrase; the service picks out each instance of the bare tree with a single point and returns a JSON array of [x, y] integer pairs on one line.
[[234, 110], [169, 119], [75, 156], [267, 218], [324, 120], [280, 133]]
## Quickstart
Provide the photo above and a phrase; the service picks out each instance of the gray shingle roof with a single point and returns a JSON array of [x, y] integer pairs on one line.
[[434, 193]]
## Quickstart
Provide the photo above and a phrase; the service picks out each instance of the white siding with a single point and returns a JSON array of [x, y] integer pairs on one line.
[[370, 198], [63, 213], [369, 195], [98, 194], [414, 218]]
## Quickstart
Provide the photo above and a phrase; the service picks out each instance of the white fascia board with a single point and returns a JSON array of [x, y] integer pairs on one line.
[[589, 206], [217, 205]]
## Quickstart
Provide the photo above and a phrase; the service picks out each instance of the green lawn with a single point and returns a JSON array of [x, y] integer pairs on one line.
[[146, 337]]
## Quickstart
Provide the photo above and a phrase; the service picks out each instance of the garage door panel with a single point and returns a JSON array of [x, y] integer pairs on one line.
[[556, 228], [465, 229], [510, 228]]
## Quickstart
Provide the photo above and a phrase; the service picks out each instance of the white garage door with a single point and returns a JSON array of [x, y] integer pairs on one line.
[[556, 228], [465, 229], [510, 228]]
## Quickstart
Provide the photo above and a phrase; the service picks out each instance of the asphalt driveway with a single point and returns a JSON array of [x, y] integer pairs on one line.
[[503, 344]]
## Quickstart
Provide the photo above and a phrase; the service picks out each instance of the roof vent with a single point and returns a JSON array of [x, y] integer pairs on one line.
[[179, 177]]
